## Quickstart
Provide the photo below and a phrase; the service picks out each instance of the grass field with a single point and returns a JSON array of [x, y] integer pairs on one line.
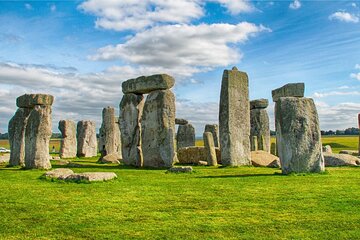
[[212, 203]]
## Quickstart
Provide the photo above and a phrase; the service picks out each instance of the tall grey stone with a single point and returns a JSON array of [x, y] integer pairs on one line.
[[158, 129], [234, 118], [210, 149], [131, 110], [16, 130], [68, 145], [185, 136], [260, 127], [214, 129], [289, 90], [86, 139], [37, 137], [109, 141], [147, 84], [298, 135]]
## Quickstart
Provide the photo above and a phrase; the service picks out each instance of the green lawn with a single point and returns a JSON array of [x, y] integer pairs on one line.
[[212, 203]]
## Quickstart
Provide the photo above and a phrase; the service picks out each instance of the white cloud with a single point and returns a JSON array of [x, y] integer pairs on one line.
[[353, 5], [355, 75], [357, 66], [183, 50], [28, 6], [344, 17], [137, 15], [235, 7], [295, 5], [53, 8], [335, 93]]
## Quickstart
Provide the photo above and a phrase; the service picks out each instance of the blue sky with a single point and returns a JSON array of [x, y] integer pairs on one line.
[[81, 51]]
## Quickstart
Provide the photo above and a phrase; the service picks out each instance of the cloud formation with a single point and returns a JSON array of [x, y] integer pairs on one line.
[[138, 15], [295, 5], [183, 50], [344, 17]]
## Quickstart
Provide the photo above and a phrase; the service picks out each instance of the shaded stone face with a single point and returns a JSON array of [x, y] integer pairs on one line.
[[181, 121], [234, 119], [210, 149], [147, 84], [131, 110], [31, 100], [16, 130], [158, 129], [185, 136], [68, 147], [260, 128], [298, 135], [86, 139], [359, 133], [37, 138], [289, 90], [259, 103], [109, 142], [214, 129]]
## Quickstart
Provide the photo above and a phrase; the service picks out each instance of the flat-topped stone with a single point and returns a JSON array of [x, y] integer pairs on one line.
[[335, 160], [59, 173], [91, 176], [289, 90], [181, 121], [181, 169], [259, 103], [147, 84], [31, 100]]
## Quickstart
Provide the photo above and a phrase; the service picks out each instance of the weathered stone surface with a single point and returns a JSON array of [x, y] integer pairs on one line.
[[16, 130], [253, 143], [202, 163], [260, 127], [91, 176], [335, 160], [131, 110], [147, 84], [158, 129], [273, 149], [298, 135], [350, 152], [185, 169], [192, 155], [259, 103], [264, 159], [59, 173], [4, 158], [68, 145], [110, 158], [37, 137], [185, 136], [289, 90], [210, 149], [109, 141], [327, 149], [214, 129], [234, 118], [86, 139], [359, 133], [31, 100], [181, 121]]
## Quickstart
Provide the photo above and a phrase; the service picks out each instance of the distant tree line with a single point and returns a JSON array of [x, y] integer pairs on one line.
[[348, 131]]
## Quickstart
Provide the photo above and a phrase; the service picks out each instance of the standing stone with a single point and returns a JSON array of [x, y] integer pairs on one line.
[[16, 130], [158, 129], [298, 135], [210, 149], [234, 118], [68, 146], [260, 127], [214, 129], [131, 110], [254, 143], [37, 138], [185, 136], [109, 142], [359, 133], [86, 139], [273, 149]]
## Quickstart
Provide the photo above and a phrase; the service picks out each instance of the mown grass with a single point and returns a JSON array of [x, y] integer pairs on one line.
[[212, 203]]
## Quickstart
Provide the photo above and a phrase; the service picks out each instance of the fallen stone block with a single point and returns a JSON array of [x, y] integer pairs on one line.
[[185, 169]]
